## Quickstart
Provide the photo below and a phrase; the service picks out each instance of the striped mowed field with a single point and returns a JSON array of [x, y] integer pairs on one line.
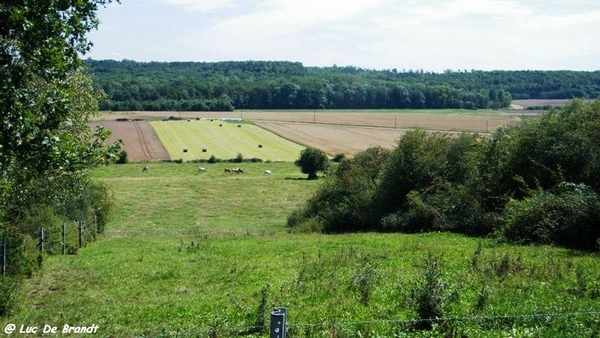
[[224, 140]]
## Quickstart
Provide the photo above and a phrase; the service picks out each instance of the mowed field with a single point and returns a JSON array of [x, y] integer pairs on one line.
[[201, 139], [332, 131]]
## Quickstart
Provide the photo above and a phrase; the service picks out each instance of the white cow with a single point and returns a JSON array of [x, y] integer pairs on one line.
[[146, 168], [202, 169], [268, 172]]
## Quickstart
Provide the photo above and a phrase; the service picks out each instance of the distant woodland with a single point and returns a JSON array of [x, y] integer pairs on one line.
[[225, 86]]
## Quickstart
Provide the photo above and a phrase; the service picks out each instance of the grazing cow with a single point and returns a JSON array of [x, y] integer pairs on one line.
[[268, 172], [228, 170], [202, 169], [146, 168], [238, 170]]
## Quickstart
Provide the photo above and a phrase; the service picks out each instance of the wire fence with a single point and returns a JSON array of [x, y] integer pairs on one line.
[[351, 329]]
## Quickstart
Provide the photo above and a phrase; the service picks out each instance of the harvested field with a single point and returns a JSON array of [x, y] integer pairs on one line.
[[434, 120], [333, 139], [201, 139], [524, 104], [140, 141]]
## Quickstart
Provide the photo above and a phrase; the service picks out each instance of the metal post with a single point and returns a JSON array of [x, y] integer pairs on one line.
[[42, 238], [278, 318], [80, 229], [3, 257], [64, 238]]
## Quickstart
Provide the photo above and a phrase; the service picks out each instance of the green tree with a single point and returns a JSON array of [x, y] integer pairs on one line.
[[46, 103], [312, 161]]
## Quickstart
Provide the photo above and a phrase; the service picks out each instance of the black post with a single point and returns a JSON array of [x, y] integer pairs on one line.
[[80, 228], [3, 257], [278, 318], [64, 238]]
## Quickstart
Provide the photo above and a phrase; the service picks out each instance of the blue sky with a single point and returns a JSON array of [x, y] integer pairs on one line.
[[432, 35]]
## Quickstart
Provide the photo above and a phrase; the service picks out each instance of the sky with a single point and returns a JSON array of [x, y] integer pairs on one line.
[[432, 35]]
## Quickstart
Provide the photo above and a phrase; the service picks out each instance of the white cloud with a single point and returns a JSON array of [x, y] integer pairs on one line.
[[201, 5], [411, 34]]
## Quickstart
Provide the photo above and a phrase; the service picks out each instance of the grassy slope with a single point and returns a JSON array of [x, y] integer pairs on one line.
[[223, 140], [189, 251]]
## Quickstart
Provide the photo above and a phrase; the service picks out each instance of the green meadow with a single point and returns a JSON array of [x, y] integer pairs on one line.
[[191, 254], [225, 140]]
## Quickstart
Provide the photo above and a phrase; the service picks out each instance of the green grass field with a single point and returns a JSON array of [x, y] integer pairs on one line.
[[224, 140], [206, 254]]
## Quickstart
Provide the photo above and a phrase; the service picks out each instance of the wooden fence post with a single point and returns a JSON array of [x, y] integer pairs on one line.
[[278, 318]]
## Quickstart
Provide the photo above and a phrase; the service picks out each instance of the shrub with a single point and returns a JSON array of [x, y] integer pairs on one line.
[[339, 157], [239, 158], [427, 295], [9, 287], [569, 215], [343, 203], [122, 158]]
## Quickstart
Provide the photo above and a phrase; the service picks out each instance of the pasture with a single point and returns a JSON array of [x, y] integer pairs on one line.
[[206, 254], [201, 139]]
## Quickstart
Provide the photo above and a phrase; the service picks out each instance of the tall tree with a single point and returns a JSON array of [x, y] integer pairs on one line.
[[45, 98]]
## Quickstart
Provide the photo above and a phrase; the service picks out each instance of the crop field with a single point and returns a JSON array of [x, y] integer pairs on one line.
[[207, 255], [332, 131], [139, 140], [225, 140]]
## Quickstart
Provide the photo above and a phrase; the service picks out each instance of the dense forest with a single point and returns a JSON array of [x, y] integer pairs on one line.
[[193, 86]]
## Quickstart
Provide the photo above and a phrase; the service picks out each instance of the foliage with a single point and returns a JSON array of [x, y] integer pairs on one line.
[[46, 101], [428, 294], [568, 215], [197, 86], [311, 161], [533, 183], [343, 202]]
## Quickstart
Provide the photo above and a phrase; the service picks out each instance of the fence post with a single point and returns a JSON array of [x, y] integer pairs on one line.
[[42, 238], [64, 237], [3, 257], [278, 318], [80, 229]]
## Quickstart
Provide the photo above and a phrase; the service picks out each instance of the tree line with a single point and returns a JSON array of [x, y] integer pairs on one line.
[[532, 183], [189, 86]]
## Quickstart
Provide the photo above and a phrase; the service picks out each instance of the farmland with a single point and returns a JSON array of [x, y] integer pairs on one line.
[[201, 254], [332, 131], [205, 138]]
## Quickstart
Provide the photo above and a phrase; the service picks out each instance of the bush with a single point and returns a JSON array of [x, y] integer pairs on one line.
[[428, 294], [123, 158], [339, 157], [9, 287], [569, 215], [343, 203]]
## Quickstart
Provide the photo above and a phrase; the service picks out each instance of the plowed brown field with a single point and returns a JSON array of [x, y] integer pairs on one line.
[[140, 141]]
